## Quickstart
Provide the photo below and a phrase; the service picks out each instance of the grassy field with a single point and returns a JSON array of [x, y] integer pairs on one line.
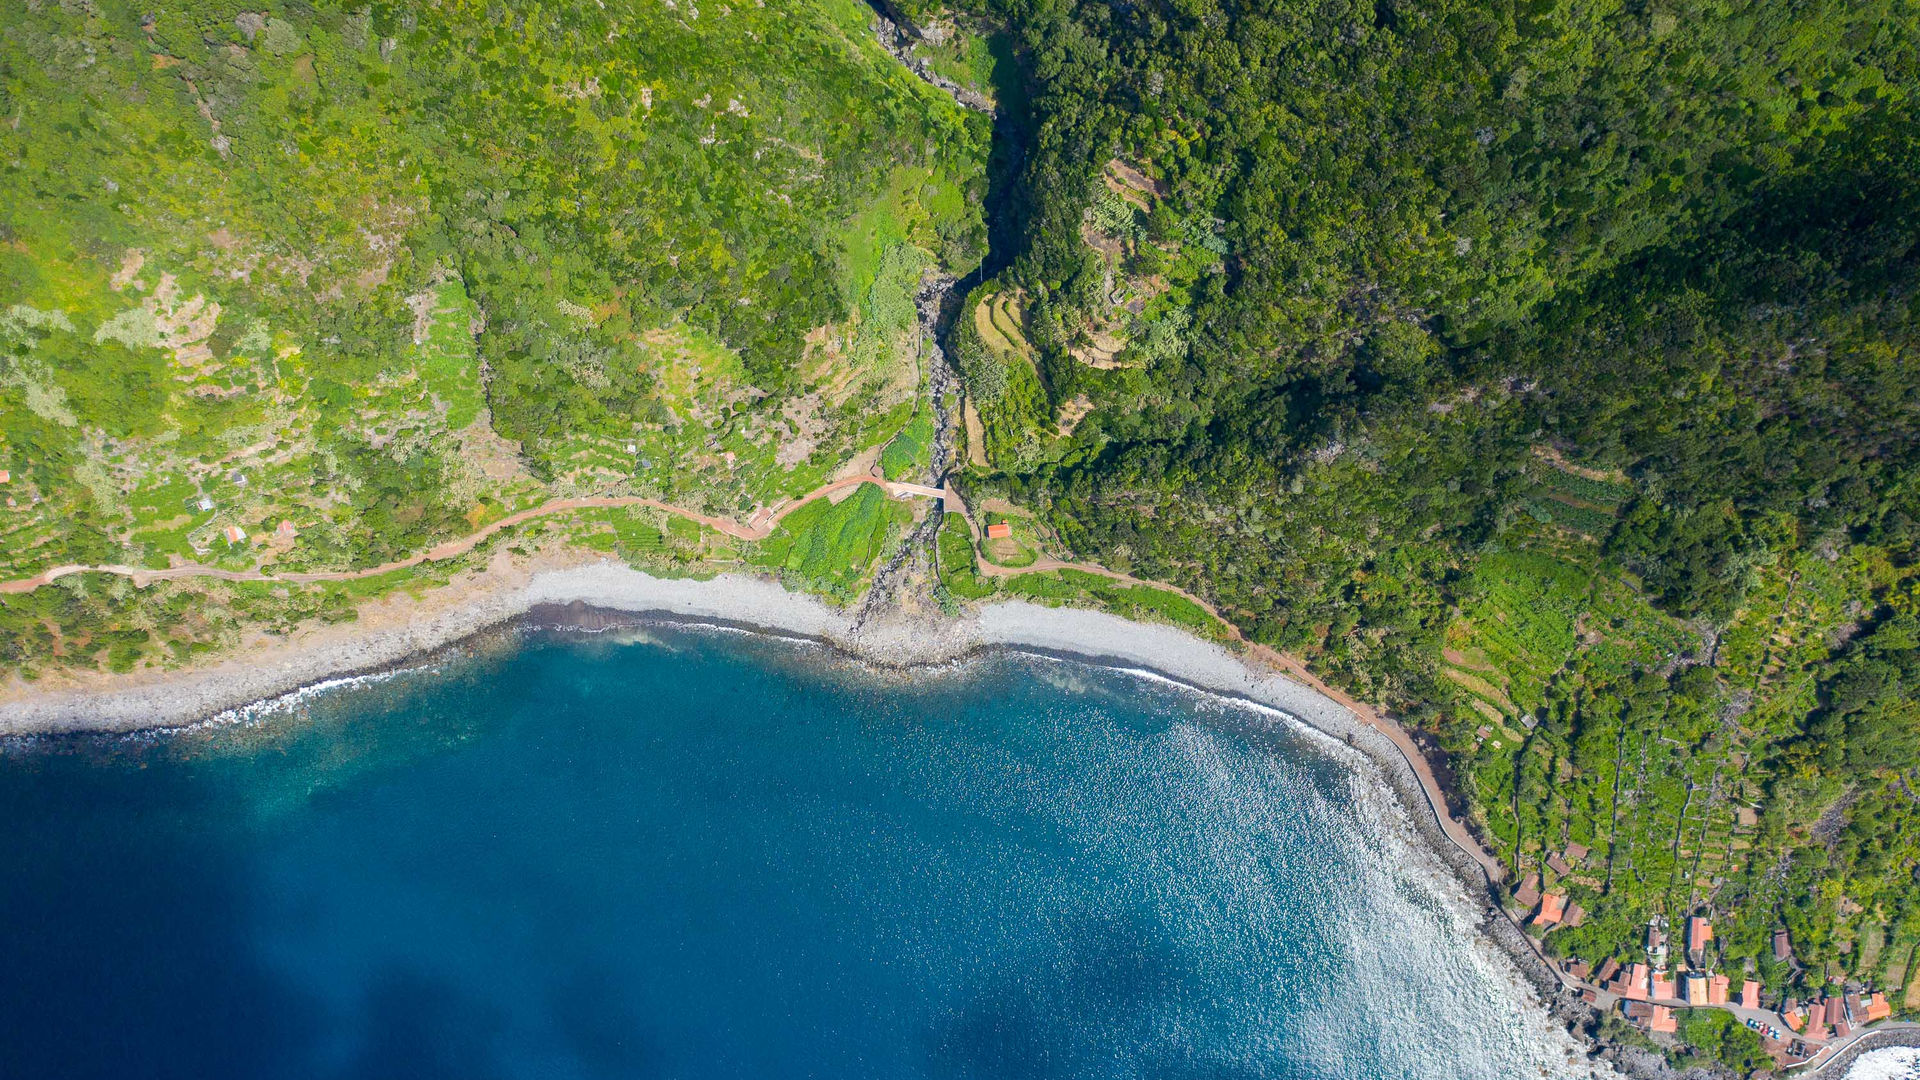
[[908, 456]]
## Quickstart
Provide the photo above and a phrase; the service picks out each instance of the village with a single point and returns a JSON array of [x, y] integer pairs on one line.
[[1650, 994]]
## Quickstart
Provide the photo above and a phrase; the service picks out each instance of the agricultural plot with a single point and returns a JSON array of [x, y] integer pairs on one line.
[[909, 454], [999, 364], [959, 573], [1518, 630], [1583, 501], [832, 548]]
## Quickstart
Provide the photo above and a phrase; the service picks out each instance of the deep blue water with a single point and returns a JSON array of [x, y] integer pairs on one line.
[[685, 853]]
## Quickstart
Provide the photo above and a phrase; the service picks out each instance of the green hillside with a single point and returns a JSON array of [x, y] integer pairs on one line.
[[1547, 373], [388, 272]]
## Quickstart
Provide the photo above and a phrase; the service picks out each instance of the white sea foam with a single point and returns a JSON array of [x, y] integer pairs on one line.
[[1894, 1063], [294, 700]]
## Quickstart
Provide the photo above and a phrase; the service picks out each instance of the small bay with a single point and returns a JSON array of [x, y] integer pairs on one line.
[[682, 852]]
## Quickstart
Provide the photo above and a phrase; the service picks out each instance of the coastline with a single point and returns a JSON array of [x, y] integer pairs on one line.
[[402, 630]]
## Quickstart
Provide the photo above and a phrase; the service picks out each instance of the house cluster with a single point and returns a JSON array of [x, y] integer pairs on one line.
[[1836, 1015], [1650, 993], [1552, 909]]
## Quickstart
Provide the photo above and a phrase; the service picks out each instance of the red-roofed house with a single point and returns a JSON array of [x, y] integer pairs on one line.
[[1717, 986], [6, 477], [999, 531], [1553, 907], [1632, 984], [1749, 995], [1699, 932], [1878, 1007], [234, 534], [1836, 1010], [1782, 946], [1663, 1020], [1816, 1020], [1607, 970], [1661, 987]]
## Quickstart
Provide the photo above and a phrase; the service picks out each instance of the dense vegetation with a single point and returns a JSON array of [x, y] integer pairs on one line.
[[1545, 372], [389, 272]]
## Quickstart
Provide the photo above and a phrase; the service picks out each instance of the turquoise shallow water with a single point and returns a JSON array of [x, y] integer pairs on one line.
[[688, 853]]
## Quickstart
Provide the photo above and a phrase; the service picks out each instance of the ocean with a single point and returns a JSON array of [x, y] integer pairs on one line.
[[689, 853]]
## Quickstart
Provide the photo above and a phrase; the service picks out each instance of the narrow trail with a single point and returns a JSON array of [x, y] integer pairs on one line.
[[759, 528]]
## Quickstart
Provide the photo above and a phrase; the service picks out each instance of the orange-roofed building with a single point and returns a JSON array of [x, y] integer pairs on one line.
[[1717, 987], [1750, 994], [1633, 984], [1699, 932], [1795, 1019], [1836, 1010], [1661, 987], [5, 477], [234, 534], [999, 531], [286, 531], [1695, 987], [1663, 1020], [1878, 1007], [1553, 908]]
